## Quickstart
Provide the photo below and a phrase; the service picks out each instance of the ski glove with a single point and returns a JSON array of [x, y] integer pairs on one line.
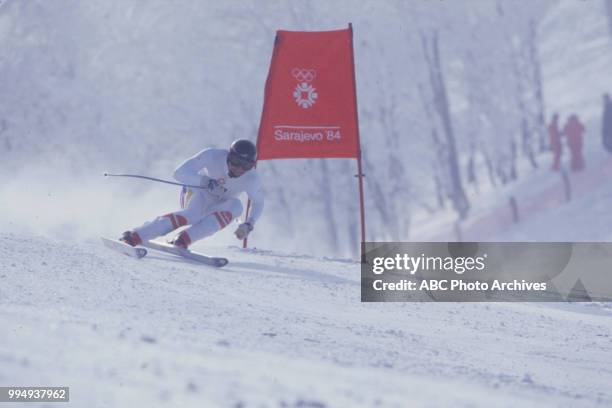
[[212, 186], [243, 230]]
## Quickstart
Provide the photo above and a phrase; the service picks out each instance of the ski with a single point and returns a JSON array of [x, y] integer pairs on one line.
[[124, 248], [185, 253]]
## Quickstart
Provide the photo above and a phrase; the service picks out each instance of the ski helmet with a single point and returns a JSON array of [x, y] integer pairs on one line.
[[242, 153]]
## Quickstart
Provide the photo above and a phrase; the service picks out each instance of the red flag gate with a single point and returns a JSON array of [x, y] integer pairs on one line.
[[310, 101]]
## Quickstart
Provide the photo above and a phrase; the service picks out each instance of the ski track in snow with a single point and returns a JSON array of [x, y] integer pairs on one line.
[[280, 330]]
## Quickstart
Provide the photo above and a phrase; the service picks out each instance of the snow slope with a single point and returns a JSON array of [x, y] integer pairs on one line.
[[543, 210], [277, 330]]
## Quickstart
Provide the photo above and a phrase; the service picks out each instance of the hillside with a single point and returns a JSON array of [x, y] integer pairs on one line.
[[274, 329]]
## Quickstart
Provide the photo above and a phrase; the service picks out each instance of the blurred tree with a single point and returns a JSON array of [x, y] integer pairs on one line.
[[608, 4], [431, 53]]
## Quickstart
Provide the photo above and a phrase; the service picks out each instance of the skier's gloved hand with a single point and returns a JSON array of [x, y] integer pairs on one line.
[[243, 230], [212, 186]]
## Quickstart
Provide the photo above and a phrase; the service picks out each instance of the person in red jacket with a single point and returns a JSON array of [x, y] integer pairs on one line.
[[574, 130], [555, 141]]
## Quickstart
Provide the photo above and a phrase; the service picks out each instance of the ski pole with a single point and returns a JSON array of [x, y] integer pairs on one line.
[[152, 179]]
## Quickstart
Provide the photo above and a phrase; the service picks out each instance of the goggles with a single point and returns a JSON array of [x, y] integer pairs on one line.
[[241, 162]]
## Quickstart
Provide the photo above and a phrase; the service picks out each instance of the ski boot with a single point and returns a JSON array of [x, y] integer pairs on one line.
[[181, 241], [131, 238]]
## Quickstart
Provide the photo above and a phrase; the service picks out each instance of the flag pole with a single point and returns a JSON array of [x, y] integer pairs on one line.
[[246, 217], [360, 174]]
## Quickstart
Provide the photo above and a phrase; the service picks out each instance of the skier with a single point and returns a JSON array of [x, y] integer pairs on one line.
[[555, 141], [606, 125], [574, 130], [224, 175]]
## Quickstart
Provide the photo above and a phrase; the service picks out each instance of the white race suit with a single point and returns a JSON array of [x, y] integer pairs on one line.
[[205, 212]]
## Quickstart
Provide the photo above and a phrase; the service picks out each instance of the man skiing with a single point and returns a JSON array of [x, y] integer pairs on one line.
[[223, 176]]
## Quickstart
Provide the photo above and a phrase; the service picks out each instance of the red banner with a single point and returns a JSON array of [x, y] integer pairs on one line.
[[310, 105]]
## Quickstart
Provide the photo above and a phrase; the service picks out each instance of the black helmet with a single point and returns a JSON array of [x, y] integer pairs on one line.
[[242, 153]]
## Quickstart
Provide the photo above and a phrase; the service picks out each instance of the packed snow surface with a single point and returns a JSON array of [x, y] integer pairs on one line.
[[274, 329]]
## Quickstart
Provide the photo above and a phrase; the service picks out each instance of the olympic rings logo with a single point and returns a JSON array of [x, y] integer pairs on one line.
[[304, 75]]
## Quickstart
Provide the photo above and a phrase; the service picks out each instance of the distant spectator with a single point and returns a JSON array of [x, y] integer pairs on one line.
[[555, 141], [606, 123], [574, 130]]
